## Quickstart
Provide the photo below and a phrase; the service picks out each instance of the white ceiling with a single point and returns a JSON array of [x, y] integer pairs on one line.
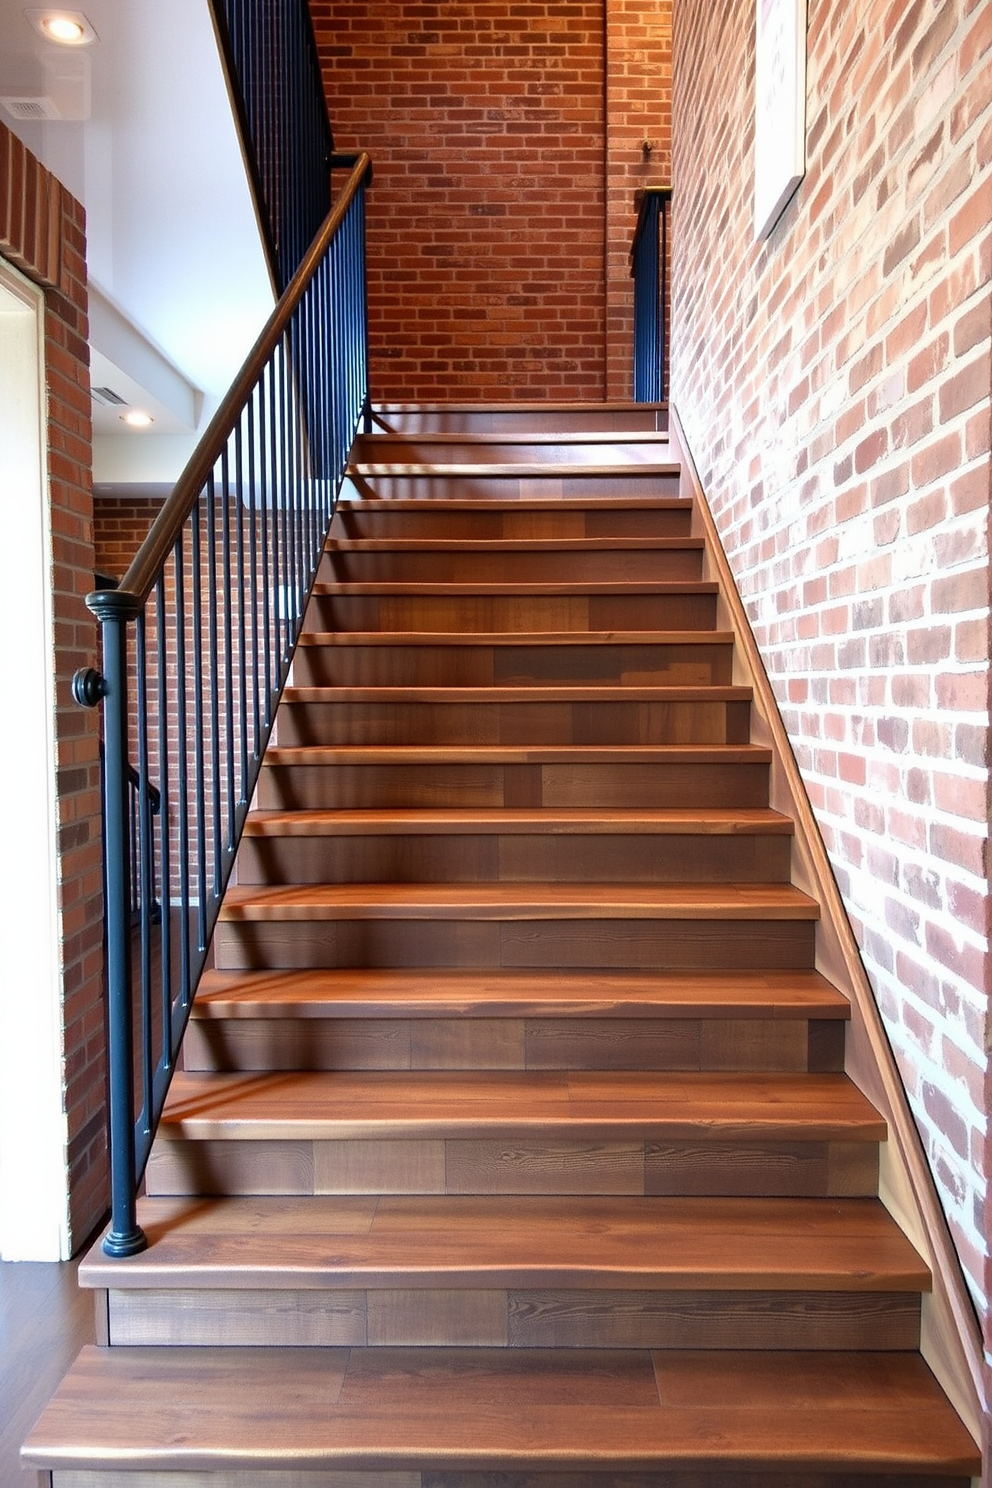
[[147, 142]]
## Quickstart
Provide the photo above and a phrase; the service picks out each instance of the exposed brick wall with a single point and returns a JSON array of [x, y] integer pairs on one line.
[[834, 386], [42, 231], [486, 219], [120, 526], [638, 109]]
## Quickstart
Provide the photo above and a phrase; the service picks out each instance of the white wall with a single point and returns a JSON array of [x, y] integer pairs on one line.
[[34, 1220]]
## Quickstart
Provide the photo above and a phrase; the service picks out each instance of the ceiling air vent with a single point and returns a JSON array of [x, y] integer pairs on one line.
[[108, 397], [30, 110]]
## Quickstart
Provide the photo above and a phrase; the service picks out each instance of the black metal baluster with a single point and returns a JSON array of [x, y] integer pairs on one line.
[[216, 787], [164, 883], [268, 588], [253, 564], [144, 856], [198, 726], [182, 777]]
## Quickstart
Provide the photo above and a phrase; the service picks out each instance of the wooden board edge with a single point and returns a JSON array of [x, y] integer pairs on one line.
[[950, 1336]]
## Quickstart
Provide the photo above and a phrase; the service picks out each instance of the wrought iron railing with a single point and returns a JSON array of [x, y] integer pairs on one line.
[[197, 642], [273, 70], [649, 270]]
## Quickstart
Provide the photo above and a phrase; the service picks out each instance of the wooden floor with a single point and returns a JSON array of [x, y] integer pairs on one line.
[[44, 1321]]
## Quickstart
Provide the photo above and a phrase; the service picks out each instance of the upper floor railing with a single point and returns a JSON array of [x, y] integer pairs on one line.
[[196, 645], [278, 96], [649, 270]]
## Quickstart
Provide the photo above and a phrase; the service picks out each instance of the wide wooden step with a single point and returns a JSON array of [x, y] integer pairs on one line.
[[583, 447], [535, 714], [504, 993], [350, 1019], [748, 925], [603, 1413], [613, 516], [516, 1273], [489, 659], [576, 777], [457, 608], [437, 560], [512, 846], [516, 481], [516, 1132], [519, 416]]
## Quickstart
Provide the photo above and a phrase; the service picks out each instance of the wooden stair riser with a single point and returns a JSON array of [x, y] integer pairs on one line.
[[519, 417], [431, 1478], [541, 722], [644, 664], [515, 1165], [439, 609], [518, 520], [501, 565], [516, 1318], [662, 944], [643, 447], [463, 857], [529, 483], [512, 1043], [595, 785]]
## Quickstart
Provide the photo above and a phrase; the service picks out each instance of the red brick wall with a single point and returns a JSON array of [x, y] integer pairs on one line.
[[507, 147], [834, 386], [638, 109], [42, 233], [486, 219]]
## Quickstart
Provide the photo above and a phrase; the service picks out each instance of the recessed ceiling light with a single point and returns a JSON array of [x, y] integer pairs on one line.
[[137, 419], [67, 27]]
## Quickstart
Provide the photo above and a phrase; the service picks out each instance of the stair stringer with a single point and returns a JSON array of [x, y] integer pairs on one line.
[[950, 1337]]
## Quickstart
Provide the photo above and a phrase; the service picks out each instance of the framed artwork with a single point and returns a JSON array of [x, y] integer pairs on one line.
[[779, 108]]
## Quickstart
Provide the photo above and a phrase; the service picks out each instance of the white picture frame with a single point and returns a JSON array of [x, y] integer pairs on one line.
[[779, 108]]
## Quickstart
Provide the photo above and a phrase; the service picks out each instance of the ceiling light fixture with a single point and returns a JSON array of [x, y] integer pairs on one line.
[[137, 419], [67, 27]]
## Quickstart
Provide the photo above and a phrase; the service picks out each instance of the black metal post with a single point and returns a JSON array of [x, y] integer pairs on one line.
[[125, 1236]]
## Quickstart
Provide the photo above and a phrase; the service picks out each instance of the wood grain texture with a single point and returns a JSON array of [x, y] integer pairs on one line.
[[513, 1147], [506, 993], [412, 1104], [172, 1409]]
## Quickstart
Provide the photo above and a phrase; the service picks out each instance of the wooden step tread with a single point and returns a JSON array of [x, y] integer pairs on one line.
[[513, 754], [539, 691], [513, 588], [578, 436], [390, 993], [516, 506], [521, 406], [499, 901], [517, 638], [704, 1106], [678, 1244], [675, 1244], [552, 469], [189, 1409], [466, 545], [511, 820]]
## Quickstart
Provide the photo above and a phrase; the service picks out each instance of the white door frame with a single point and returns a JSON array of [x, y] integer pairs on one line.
[[34, 1208]]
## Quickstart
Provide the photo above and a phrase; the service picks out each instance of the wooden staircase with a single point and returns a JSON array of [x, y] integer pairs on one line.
[[513, 1139]]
